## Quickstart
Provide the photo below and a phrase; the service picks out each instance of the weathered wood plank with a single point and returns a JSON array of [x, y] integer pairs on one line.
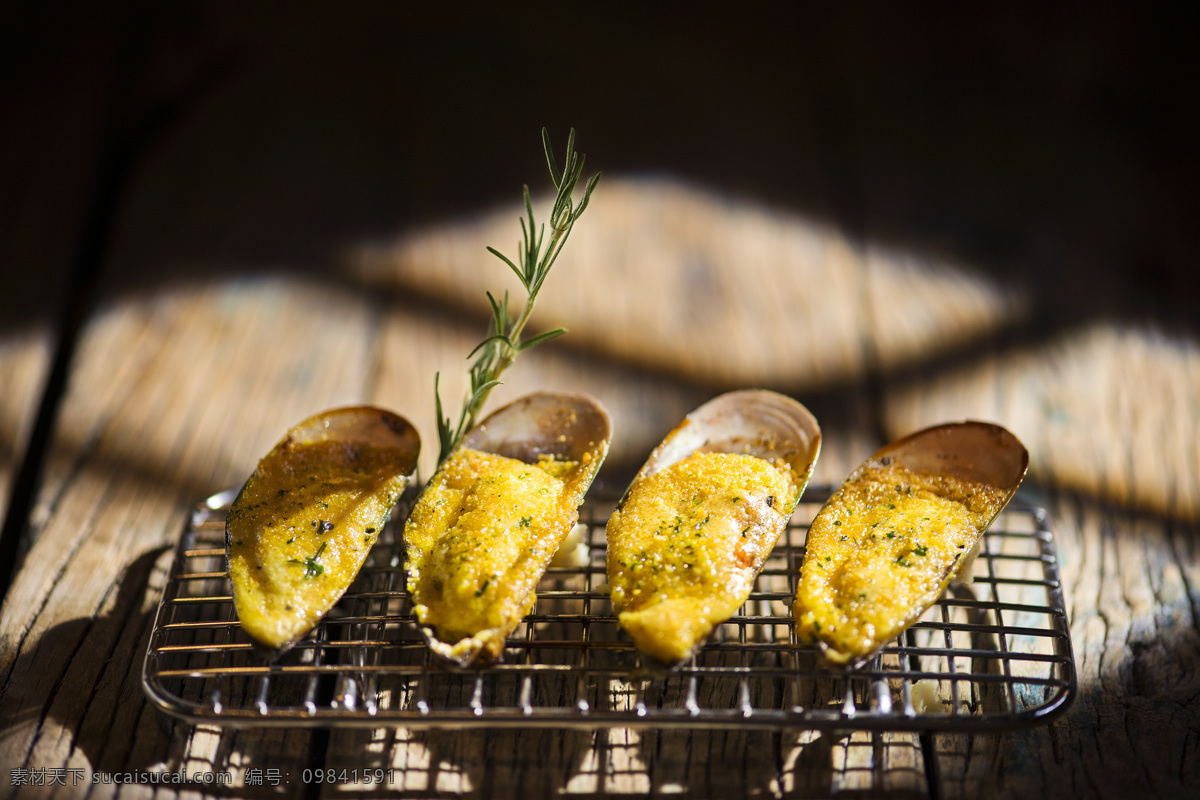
[[176, 394], [1108, 411], [1132, 603], [682, 281], [523, 763], [173, 397], [24, 363], [1110, 414]]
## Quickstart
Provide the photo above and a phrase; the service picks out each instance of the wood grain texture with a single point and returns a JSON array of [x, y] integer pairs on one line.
[[172, 397], [1110, 415], [414, 344], [1110, 411], [1131, 586], [175, 395], [348, 123], [24, 363], [682, 281]]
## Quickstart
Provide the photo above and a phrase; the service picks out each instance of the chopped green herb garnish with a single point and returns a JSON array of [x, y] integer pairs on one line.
[[312, 567]]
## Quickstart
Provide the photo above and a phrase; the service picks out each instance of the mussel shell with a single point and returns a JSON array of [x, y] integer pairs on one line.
[[982, 452], [566, 426], [366, 424], [370, 426], [970, 450], [570, 427], [755, 422]]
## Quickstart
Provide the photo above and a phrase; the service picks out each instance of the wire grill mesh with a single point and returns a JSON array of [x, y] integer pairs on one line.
[[992, 655]]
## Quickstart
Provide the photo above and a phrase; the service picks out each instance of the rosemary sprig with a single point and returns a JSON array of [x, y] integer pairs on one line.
[[503, 343]]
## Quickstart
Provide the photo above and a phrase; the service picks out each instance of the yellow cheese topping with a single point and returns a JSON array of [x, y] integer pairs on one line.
[[300, 530], [881, 551], [687, 543], [478, 541]]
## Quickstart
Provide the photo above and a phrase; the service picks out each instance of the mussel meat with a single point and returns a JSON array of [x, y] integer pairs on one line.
[[896, 533], [699, 520], [484, 530], [301, 527]]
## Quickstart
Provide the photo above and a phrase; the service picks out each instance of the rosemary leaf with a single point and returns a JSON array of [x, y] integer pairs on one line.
[[546, 336], [511, 265]]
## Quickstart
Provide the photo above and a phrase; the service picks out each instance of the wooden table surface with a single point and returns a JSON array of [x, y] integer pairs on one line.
[[132, 398]]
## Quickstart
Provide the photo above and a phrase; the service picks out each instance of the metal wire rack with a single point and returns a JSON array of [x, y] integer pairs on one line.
[[991, 655]]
